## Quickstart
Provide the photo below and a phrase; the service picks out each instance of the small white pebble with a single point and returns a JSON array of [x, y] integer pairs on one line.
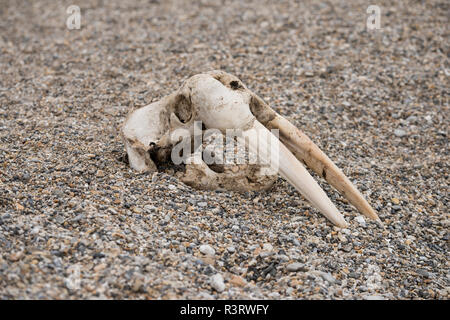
[[341, 237], [217, 282], [283, 257], [207, 250], [294, 267], [267, 247], [400, 133], [35, 230], [360, 220], [266, 254], [231, 249]]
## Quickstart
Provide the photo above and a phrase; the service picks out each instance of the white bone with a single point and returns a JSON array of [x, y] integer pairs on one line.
[[220, 101]]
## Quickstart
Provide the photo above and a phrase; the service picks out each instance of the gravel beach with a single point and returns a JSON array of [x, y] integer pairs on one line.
[[77, 223]]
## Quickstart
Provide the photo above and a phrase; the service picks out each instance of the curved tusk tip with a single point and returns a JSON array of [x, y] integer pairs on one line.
[[343, 225], [339, 221]]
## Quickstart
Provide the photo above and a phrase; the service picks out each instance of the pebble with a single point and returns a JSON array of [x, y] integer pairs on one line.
[[399, 133], [342, 238], [265, 254], [231, 249], [424, 273], [112, 211], [137, 285], [328, 277], [15, 256], [296, 266], [282, 257], [207, 250], [149, 208], [361, 221], [100, 267], [217, 282], [79, 217], [411, 119]]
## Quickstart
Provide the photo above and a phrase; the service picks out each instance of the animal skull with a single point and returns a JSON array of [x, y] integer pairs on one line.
[[221, 101]]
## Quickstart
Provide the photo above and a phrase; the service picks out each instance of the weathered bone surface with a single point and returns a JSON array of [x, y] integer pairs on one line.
[[245, 178], [221, 101], [237, 177]]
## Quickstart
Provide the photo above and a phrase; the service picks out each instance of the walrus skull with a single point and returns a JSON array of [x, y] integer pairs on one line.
[[221, 101]]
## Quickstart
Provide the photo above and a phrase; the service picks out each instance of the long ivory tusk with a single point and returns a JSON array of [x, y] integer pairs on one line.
[[273, 152], [307, 151]]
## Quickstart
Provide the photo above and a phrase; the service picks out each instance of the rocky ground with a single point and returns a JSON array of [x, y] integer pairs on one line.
[[77, 222]]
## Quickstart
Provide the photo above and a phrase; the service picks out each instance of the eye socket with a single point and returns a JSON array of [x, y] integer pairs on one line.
[[235, 85], [183, 110]]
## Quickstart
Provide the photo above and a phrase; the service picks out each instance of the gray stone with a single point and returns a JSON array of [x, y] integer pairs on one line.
[[231, 249], [296, 266], [423, 273], [399, 133], [361, 221], [328, 277]]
